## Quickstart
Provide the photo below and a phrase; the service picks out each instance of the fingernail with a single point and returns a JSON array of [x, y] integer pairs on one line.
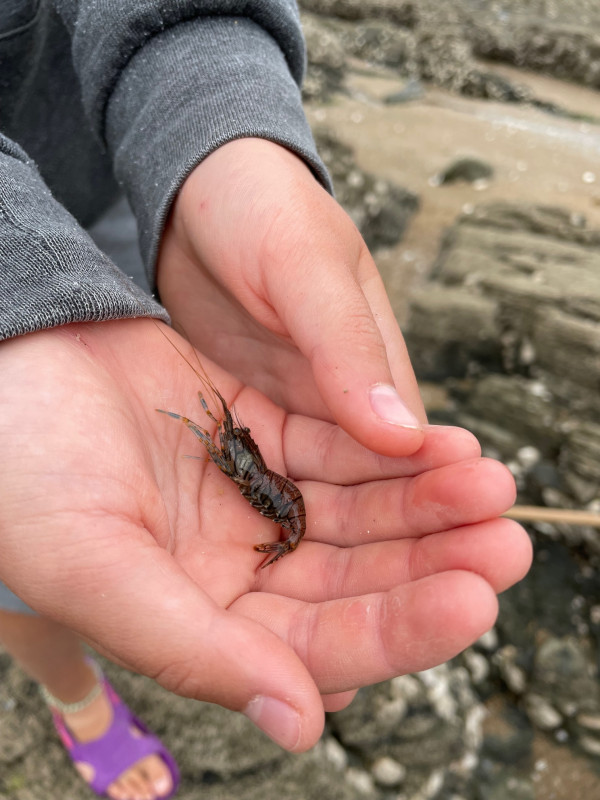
[[277, 719], [388, 406]]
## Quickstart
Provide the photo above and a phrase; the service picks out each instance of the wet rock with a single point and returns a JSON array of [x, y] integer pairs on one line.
[[562, 44], [378, 43], [518, 406], [562, 671], [580, 460], [508, 738], [503, 786], [402, 12], [380, 209], [440, 331], [326, 60], [413, 90], [568, 345], [296, 778], [436, 726], [23, 716], [511, 322], [466, 169], [374, 716], [16, 738], [449, 691], [444, 43]]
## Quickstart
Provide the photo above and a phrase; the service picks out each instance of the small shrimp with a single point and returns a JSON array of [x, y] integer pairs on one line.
[[274, 496]]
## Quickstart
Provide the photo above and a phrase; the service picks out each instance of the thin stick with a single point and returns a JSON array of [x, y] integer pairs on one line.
[[556, 515]]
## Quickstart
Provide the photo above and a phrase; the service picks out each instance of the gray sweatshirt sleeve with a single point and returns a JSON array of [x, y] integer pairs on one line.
[[165, 84], [51, 272]]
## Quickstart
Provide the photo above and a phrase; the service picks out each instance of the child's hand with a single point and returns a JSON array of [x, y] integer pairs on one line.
[[270, 278], [105, 527]]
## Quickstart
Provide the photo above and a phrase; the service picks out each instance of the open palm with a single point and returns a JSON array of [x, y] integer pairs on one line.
[[149, 555]]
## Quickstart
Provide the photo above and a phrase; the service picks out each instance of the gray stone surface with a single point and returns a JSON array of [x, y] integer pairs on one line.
[[510, 320], [380, 210], [444, 43]]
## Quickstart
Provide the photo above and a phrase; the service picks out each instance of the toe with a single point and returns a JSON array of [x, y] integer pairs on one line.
[[149, 779], [159, 776], [117, 791], [137, 786]]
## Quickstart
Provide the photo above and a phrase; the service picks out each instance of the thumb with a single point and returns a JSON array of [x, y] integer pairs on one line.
[[143, 611], [358, 357]]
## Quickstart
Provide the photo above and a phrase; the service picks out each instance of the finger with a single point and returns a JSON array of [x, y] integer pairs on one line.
[[499, 550], [318, 451], [440, 499], [372, 285], [136, 605], [338, 701], [362, 640], [338, 331]]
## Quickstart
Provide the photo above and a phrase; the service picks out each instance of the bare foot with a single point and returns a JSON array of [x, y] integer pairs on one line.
[[148, 779]]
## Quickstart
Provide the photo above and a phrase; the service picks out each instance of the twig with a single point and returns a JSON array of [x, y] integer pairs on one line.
[[556, 515]]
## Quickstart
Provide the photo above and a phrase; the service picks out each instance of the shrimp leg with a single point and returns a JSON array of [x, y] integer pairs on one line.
[[222, 462]]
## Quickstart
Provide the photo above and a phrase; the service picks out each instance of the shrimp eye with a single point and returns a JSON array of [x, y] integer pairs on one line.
[[246, 430]]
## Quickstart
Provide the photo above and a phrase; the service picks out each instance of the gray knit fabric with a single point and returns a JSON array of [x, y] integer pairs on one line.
[[51, 272], [137, 90]]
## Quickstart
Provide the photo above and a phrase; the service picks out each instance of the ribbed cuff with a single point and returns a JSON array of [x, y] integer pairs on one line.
[[51, 272], [188, 91]]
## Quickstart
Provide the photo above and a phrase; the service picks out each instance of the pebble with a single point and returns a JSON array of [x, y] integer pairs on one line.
[[360, 780], [473, 733], [431, 787], [595, 615], [406, 687], [541, 712], [528, 456], [590, 745], [439, 694], [335, 753], [513, 675], [393, 712], [489, 640], [589, 721], [388, 772], [478, 666]]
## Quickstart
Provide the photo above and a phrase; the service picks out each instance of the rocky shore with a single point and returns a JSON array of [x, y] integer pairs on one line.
[[463, 138]]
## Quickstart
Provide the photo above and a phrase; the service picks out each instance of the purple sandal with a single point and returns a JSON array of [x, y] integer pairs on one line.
[[118, 749]]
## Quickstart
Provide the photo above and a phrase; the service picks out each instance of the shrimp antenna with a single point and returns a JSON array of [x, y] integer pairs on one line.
[[200, 373]]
